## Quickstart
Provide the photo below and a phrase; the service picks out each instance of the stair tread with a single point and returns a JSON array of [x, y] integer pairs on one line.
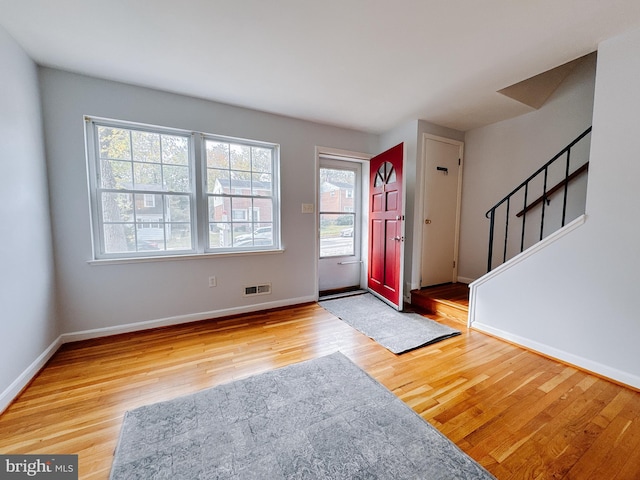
[[451, 300]]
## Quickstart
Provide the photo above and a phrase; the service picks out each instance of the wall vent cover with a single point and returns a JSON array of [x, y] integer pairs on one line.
[[262, 289]]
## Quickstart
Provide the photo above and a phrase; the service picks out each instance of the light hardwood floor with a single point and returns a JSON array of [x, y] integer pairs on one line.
[[518, 414]]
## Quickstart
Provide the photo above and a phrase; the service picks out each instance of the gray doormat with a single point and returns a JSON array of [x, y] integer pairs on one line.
[[398, 332], [320, 419]]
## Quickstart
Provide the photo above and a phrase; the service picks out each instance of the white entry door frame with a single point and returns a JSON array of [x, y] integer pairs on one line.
[[335, 272]]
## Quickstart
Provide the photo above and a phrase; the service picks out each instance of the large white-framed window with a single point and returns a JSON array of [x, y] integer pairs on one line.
[[159, 191], [242, 192]]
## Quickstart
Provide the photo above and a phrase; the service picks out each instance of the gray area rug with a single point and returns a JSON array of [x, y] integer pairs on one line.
[[398, 332], [320, 419]]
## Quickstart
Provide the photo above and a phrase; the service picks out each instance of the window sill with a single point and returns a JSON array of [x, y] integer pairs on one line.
[[172, 258]]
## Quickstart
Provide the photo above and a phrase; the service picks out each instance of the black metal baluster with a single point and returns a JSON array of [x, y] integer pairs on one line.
[[506, 231], [491, 224], [566, 187], [524, 216], [544, 201]]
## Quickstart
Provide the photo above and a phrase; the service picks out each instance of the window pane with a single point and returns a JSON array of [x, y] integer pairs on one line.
[[145, 209], [175, 150], [217, 181], [336, 235], [242, 235], [263, 234], [178, 208], [117, 207], [391, 173], [263, 210], [219, 235], [119, 237], [176, 179], [219, 209], [178, 236], [150, 242], [261, 158], [240, 183], [240, 208], [240, 156], [336, 190], [115, 174], [147, 176], [261, 185], [146, 146], [114, 143], [217, 154]]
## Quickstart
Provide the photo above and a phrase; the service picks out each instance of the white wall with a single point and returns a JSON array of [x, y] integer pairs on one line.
[[27, 304], [98, 297], [577, 298], [499, 157]]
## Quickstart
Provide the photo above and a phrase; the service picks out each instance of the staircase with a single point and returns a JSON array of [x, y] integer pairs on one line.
[[450, 300], [511, 233]]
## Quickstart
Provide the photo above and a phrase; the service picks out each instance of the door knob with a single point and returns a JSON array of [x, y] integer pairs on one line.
[[427, 222]]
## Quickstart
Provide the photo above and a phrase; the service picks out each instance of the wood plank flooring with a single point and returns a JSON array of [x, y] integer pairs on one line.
[[520, 415]]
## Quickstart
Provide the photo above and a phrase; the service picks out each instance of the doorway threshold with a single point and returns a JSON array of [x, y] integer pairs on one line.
[[330, 295]]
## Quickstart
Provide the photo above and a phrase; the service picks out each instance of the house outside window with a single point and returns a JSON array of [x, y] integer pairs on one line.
[[146, 192]]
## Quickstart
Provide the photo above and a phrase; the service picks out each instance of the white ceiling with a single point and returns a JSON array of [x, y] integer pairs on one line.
[[363, 64]]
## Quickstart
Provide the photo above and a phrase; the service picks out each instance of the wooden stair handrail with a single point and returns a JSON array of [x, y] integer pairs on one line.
[[540, 199]]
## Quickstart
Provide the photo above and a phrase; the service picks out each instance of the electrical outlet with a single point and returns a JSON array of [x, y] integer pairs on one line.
[[213, 282]]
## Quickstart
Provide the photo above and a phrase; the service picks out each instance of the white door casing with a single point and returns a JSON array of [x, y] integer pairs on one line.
[[442, 162], [341, 271]]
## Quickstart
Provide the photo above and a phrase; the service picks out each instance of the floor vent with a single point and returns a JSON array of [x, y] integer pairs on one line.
[[263, 289]]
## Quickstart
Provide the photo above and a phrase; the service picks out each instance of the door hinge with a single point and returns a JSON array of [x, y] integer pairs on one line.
[[454, 264], [459, 161]]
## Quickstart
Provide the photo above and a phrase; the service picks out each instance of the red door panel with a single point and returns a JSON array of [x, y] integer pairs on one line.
[[377, 202], [385, 225], [376, 275], [392, 201]]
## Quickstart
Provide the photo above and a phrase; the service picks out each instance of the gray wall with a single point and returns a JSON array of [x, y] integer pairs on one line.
[[103, 296], [499, 157], [580, 300], [27, 308]]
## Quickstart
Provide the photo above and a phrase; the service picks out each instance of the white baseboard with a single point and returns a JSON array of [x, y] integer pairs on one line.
[[180, 319], [614, 374], [466, 280], [10, 393], [13, 390]]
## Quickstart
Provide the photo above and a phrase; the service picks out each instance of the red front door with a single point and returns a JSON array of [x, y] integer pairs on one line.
[[385, 225]]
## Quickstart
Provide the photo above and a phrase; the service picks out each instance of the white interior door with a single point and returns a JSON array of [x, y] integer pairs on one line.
[[339, 216], [442, 188]]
